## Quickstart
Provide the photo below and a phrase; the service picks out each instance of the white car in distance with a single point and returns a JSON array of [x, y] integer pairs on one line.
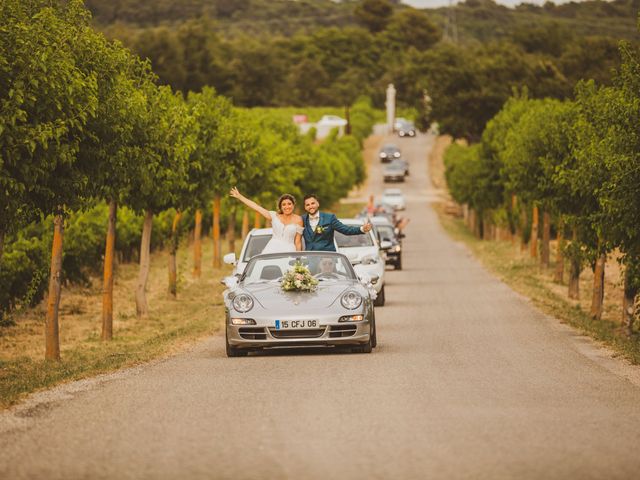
[[332, 121], [394, 197]]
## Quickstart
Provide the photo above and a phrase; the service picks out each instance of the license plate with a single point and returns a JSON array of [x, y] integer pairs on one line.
[[296, 324]]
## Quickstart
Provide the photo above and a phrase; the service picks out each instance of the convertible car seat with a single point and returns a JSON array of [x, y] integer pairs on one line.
[[270, 272]]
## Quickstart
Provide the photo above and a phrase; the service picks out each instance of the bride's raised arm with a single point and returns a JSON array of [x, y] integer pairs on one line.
[[250, 203]]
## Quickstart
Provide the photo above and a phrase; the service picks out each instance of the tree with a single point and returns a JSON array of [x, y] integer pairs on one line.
[[411, 28], [108, 152], [608, 150], [374, 14], [166, 142], [210, 112], [534, 147], [49, 99], [46, 102]]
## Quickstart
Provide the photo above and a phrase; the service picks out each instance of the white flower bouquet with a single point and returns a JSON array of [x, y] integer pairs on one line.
[[298, 279]]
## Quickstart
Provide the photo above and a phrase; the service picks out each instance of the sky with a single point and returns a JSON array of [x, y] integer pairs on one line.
[[442, 3]]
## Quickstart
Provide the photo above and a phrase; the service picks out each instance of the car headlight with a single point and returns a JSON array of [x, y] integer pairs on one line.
[[397, 248], [397, 154], [368, 260], [243, 303], [351, 300], [383, 155]]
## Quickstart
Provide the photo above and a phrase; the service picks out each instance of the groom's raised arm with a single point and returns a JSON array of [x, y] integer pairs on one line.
[[344, 229]]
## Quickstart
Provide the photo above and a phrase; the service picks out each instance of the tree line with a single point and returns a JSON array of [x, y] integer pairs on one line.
[[89, 138], [566, 166], [459, 83]]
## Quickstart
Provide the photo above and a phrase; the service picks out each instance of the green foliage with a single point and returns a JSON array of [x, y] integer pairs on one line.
[[374, 14], [462, 171], [412, 28], [577, 159], [24, 273], [312, 52], [608, 152], [46, 100]]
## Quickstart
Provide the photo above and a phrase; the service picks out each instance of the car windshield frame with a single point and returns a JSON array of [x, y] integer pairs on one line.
[[285, 261], [354, 241], [254, 239], [381, 229]]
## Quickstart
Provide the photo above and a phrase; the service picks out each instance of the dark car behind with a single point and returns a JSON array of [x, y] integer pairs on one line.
[[389, 152]]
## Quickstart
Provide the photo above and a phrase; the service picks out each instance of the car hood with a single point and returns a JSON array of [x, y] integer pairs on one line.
[[356, 254], [270, 296]]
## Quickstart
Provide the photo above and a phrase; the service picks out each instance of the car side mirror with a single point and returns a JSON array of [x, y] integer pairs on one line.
[[230, 259], [385, 245]]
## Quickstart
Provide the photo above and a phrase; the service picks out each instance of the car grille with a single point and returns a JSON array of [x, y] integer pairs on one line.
[[306, 333], [252, 333], [338, 331]]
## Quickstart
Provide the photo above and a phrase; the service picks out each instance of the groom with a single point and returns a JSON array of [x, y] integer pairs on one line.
[[319, 227]]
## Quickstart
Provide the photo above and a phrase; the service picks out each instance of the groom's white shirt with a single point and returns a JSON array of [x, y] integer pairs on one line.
[[314, 220]]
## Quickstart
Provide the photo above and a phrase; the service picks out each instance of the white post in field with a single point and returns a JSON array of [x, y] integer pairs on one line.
[[391, 106]]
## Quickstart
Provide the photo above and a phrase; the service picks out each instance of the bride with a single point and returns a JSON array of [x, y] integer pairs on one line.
[[287, 226]]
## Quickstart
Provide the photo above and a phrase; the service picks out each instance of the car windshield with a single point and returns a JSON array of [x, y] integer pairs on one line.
[[346, 241], [325, 266], [255, 245], [385, 233]]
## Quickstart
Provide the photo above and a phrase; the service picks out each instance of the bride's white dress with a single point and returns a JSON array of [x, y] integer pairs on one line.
[[283, 236]]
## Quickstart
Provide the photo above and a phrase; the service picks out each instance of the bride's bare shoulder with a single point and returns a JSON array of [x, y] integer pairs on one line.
[[298, 220]]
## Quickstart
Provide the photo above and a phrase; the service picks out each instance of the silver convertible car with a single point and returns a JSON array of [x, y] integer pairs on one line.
[[259, 314]]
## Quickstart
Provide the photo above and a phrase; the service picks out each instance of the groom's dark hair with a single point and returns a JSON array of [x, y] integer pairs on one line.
[[311, 195]]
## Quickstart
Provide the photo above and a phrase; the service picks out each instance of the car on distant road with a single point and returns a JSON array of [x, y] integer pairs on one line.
[[388, 152], [389, 240], [394, 172], [403, 163], [394, 197], [407, 129], [363, 251], [398, 123], [260, 314], [332, 121]]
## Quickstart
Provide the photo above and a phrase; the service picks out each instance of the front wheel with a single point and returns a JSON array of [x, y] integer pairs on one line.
[[365, 348], [233, 352], [374, 333], [379, 301]]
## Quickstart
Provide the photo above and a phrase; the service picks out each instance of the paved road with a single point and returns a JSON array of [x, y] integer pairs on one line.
[[468, 381]]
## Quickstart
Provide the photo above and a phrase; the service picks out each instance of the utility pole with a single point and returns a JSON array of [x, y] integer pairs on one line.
[[391, 107], [451, 25]]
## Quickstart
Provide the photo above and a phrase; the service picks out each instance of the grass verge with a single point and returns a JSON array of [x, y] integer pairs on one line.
[[525, 276], [173, 322]]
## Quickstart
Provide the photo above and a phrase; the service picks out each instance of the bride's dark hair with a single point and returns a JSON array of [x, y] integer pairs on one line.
[[286, 196]]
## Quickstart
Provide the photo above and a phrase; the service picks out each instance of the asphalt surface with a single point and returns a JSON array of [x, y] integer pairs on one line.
[[468, 381]]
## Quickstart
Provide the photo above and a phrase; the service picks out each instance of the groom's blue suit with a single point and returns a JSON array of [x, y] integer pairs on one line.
[[321, 238]]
